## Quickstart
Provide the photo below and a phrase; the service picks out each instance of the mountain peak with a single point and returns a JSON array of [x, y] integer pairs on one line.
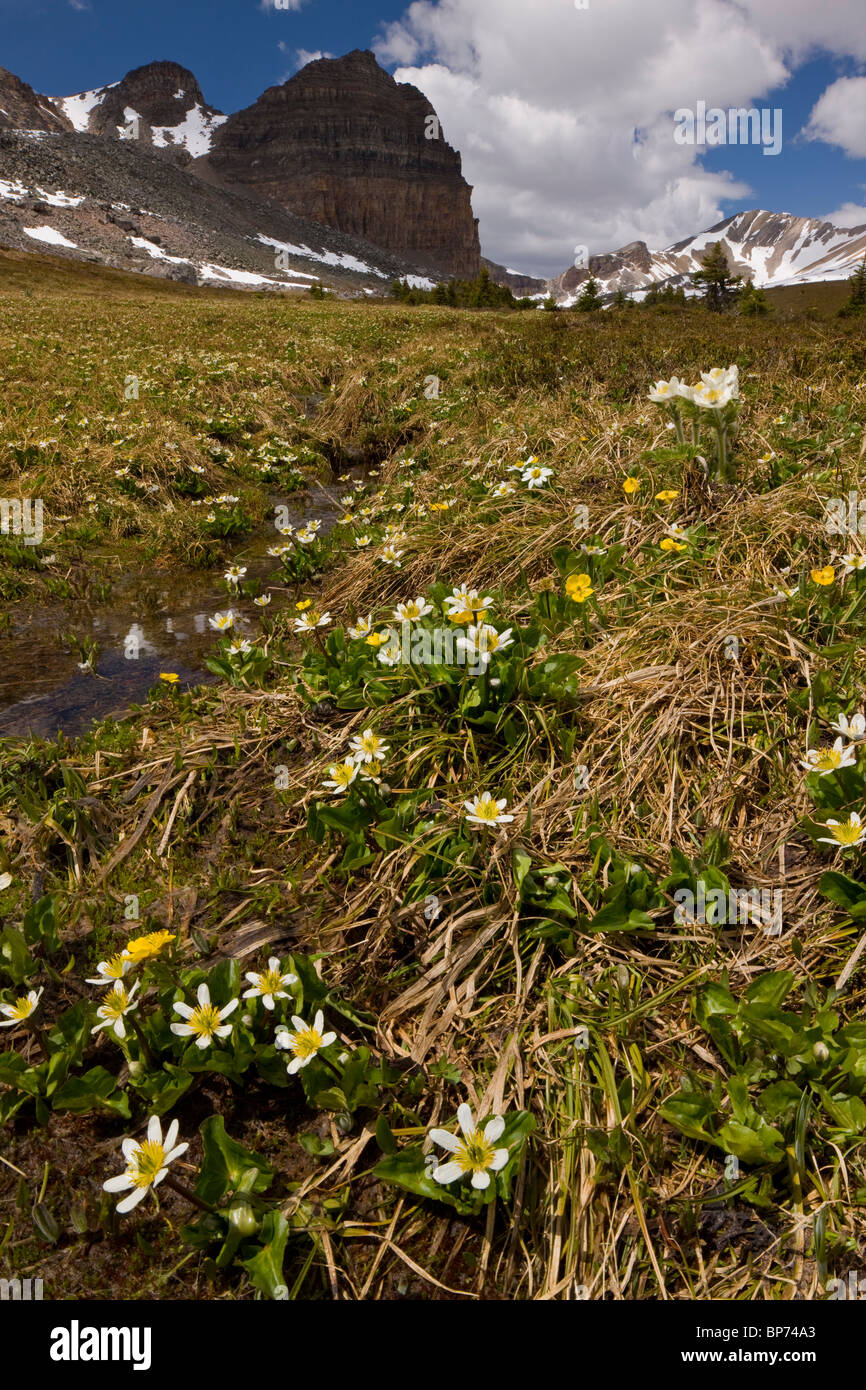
[[159, 104]]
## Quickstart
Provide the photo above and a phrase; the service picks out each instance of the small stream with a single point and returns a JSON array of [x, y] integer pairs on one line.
[[156, 620]]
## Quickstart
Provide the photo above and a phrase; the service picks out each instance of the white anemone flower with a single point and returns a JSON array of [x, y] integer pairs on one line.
[[306, 1040], [146, 1164], [205, 1021], [222, 622], [269, 984], [475, 1152], [847, 834], [464, 605], [853, 729], [111, 1012], [389, 555], [827, 760], [485, 810], [663, 392], [852, 563], [712, 397], [308, 622]]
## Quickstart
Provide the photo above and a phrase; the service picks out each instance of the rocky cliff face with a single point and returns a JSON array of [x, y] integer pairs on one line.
[[23, 109], [344, 144]]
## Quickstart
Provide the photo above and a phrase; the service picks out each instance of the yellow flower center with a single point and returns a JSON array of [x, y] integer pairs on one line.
[[147, 1163], [270, 981], [487, 809], [205, 1020], [23, 1007], [305, 1043], [114, 968], [116, 1003], [847, 833], [829, 759], [475, 1154]]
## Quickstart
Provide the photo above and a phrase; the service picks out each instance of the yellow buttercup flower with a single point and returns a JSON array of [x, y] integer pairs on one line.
[[579, 587], [670, 544], [669, 495], [304, 603], [171, 677], [630, 485], [824, 576], [142, 948]]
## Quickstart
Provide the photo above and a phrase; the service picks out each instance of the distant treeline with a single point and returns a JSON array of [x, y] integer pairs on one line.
[[480, 293]]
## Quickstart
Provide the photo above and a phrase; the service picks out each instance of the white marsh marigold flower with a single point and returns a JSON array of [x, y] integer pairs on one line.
[[205, 1021], [270, 984], [483, 810], [827, 760], [847, 834], [306, 1040], [474, 1153], [146, 1164]]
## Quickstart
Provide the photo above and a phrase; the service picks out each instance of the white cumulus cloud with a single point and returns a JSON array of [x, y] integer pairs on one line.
[[839, 116], [564, 117]]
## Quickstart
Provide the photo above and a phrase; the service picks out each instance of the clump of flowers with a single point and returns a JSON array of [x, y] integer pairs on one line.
[[713, 401]]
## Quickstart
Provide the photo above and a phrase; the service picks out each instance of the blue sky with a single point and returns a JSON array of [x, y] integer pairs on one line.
[[542, 100]]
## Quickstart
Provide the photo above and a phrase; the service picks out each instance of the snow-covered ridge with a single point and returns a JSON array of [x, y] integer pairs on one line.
[[773, 249]]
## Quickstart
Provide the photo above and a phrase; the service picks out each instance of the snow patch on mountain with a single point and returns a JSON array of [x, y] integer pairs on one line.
[[77, 109], [50, 236], [195, 133], [344, 260]]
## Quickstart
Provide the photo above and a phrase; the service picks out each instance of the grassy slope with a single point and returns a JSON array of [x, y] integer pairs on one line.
[[679, 742]]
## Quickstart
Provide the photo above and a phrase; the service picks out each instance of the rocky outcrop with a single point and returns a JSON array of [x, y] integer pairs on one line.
[[523, 286], [344, 144], [159, 105], [23, 109]]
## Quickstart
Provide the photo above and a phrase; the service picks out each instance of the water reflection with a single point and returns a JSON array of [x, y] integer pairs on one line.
[[154, 622]]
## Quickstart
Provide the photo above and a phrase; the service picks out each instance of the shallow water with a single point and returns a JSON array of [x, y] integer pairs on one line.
[[156, 620]]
